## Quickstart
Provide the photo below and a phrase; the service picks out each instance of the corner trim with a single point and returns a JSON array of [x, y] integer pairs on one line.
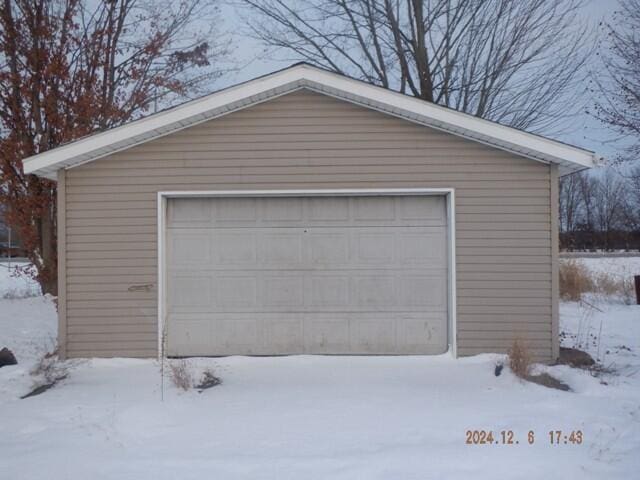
[[555, 267], [61, 210]]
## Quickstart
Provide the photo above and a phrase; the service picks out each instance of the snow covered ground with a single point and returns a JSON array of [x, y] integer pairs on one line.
[[14, 284], [616, 266], [307, 417]]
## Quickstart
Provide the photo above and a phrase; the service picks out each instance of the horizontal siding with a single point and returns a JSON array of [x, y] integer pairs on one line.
[[305, 140]]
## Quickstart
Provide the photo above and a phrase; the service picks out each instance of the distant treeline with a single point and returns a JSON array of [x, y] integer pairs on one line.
[[593, 241], [600, 211]]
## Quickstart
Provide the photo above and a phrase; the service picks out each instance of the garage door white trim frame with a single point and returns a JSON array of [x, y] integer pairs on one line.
[[448, 193]]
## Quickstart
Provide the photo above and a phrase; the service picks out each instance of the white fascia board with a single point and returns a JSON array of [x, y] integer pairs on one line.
[[240, 96], [160, 123], [448, 119]]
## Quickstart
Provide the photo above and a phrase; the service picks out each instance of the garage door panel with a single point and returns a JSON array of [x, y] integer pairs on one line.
[[328, 248], [189, 292], [302, 247], [282, 211], [326, 334], [233, 248], [282, 249], [234, 211], [283, 334], [375, 209], [227, 212], [422, 291], [334, 209], [328, 292], [374, 248], [307, 291], [189, 247], [283, 291], [373, 335], [237, 334], [415, 210], [233, 291], [426, 334], [195, 212], [287, 334], [188, 336], [372, 291], [307, 275], [423, 247]]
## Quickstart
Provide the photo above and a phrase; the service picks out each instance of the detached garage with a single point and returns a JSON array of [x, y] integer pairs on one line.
[[307, 212]]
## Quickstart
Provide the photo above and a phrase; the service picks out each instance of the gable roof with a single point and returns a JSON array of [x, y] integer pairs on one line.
[[569, 158]]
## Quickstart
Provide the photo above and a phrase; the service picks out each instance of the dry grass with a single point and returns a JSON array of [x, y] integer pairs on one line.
[[180, 374], [548, 381], [49, 368], [47, 373], [576, 280], [520, 359]]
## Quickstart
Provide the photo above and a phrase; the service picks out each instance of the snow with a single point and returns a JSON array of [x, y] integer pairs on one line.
[[13, 284], [320, 416], [616, 266]]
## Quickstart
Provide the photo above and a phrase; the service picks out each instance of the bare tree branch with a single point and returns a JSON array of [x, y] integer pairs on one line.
[[518, 63]]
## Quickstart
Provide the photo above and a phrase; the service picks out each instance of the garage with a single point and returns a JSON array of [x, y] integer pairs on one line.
[[308, 212], [316, 274]]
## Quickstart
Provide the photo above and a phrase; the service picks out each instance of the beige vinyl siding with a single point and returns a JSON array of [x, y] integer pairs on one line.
[[307, 140]]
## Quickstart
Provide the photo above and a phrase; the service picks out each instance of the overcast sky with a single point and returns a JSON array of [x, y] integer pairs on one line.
[[587, 132]]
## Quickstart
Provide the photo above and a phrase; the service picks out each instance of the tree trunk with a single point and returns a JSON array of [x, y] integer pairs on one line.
[[49, 275]]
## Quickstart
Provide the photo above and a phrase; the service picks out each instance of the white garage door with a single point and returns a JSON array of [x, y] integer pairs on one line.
[[286, 275]]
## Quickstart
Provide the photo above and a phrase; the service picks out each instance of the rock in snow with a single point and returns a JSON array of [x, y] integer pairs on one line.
[[7, 357]]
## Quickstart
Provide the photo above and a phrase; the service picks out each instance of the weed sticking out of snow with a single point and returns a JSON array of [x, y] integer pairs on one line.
[[180, 374], [16, 281], [47, 372], [184, 377], [519, 359], [589, 330]]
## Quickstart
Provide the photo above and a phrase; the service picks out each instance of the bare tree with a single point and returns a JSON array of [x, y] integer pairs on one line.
[[618, 84], [632, 209], [609, 205], [518, 63], [588, 185], [571, 208]]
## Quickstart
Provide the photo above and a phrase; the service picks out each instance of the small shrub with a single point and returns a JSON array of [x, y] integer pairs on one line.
[[49, 368], [47, 373], [181, 374], [520, 359], [575, 280]]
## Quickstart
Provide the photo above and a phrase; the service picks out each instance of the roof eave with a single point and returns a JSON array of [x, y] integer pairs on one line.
[[87, 149]]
